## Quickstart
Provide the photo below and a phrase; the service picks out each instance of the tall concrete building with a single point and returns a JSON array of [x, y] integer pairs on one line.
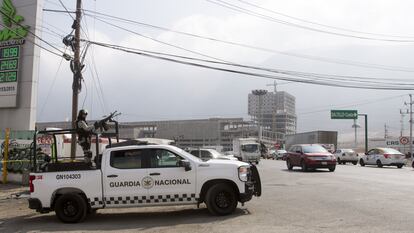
[[275, 112]]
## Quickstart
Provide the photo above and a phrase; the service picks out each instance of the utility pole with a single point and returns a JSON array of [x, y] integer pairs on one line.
[[260, 94], [77, 75], [385, 131], [274, 111], [274, 85], [402, 121], [411, 125], [356, 126], [366, 130]]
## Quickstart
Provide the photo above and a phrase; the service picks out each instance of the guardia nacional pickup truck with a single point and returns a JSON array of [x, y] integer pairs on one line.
[[143, 175]]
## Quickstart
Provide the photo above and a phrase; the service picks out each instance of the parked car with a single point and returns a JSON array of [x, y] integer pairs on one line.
[[383, 157], [207, 154], [344, 156], [310, 156], [280, 154]]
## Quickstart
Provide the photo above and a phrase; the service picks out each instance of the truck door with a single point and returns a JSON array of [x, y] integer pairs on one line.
[[170, 183], [123, 177]]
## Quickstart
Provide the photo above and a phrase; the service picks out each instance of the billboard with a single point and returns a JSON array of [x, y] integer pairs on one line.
[[19, 62]]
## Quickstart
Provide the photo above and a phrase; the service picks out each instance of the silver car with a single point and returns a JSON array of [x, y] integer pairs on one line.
[[344, 156], [207, 154], [280, 154]]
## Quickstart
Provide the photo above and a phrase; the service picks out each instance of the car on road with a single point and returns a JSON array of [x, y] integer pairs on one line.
[[383, 157], [207, 154], [280, 154], [310, 156], [344, 156]]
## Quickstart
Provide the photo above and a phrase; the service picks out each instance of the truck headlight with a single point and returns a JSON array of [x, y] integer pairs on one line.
[[244, 173]]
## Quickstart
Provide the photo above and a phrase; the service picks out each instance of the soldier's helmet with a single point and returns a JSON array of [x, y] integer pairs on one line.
[[82, 114]]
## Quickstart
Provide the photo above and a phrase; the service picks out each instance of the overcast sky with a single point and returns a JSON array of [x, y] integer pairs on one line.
[[149, 89]]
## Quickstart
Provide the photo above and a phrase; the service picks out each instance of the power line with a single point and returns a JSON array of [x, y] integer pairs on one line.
[[278, 71], [14, 21], [66, 9], [302, 56], [159, 41], [36, 44], [308, 81], [272, 19], [319, 24], [51, 87], [352, 105]]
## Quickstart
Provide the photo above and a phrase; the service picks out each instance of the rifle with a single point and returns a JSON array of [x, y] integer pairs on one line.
[[102, 124]]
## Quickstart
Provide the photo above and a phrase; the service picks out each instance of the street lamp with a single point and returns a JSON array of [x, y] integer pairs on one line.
[[260, 94], [356, 126]]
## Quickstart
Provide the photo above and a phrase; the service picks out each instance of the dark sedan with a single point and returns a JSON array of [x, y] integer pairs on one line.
[[310, 156]]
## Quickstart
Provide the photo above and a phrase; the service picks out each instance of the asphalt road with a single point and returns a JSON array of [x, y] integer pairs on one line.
[[351, 199]]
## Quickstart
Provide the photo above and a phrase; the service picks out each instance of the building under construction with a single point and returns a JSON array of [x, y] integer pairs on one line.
[[275, 112]]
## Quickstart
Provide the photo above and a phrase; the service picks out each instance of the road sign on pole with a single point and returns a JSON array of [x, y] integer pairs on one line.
[[404, 140], [344, 114]]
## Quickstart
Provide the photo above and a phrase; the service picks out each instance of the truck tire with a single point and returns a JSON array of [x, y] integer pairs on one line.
[[71, 208], [221, 199]]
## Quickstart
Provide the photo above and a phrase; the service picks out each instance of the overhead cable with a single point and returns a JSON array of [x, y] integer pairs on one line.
[[261, 75], [95, 14], [275, 20]]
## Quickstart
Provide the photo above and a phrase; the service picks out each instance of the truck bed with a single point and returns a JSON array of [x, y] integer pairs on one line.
[[67, 166]]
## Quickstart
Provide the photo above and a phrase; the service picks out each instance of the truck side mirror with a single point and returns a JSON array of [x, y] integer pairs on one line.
[[186, 164]]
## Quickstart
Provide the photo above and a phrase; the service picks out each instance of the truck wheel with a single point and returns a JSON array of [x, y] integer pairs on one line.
[[221, 199], [400, 165], [71, 208]]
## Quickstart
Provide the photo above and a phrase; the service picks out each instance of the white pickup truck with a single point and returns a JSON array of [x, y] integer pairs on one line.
[[143, 175]]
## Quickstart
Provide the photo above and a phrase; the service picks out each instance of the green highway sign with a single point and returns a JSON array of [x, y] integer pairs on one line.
[[344, 114]]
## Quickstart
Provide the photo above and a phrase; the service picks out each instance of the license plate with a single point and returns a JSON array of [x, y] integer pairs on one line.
[[324, 163]]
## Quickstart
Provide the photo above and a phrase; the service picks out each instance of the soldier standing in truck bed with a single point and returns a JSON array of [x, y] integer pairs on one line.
[[84, 132]]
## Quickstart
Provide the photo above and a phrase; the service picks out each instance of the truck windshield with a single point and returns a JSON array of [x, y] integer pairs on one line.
[[250, 147]]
